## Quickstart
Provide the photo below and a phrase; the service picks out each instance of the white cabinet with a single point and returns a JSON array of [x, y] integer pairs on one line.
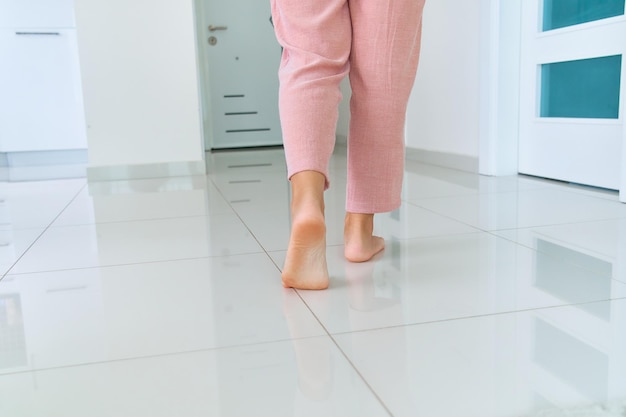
[[37, 13], [41, 106]]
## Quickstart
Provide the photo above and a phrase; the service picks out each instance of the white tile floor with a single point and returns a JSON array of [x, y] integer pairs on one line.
[[495, 297]]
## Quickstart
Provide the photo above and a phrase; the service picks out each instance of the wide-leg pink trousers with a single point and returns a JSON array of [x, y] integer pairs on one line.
[[376, 42]]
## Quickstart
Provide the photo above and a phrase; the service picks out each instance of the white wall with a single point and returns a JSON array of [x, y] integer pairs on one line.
[[464, 109], [140, 82], [443, 113]]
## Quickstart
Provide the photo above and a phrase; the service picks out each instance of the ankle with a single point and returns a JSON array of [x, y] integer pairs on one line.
[[307, 202], [307, 191], [361, 223]]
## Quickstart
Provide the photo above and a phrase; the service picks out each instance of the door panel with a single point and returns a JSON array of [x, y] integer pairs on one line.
[[243, 64], [572, 92], [562, 13], [584, 88], [41, 105]]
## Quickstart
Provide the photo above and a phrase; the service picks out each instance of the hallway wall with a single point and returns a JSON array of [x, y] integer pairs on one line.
[[443, 114], [140, 82]]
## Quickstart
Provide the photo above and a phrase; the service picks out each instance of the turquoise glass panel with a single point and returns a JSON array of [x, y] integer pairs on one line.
[[562, 13], [586, 88]]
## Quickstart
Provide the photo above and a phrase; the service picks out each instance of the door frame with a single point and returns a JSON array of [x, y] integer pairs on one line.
[[500, 41], [500, 47], [204, 92]]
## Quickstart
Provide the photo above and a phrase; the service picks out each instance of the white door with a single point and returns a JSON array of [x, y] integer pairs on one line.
[[243, 57], [572, 95]]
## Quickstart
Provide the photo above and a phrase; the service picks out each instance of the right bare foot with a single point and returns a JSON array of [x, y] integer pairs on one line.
[[305, 266]]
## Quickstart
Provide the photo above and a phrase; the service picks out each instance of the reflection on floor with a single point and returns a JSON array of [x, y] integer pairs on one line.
[[494, 297]]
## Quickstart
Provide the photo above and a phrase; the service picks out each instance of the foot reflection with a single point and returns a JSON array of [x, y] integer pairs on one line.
[[365, 294]]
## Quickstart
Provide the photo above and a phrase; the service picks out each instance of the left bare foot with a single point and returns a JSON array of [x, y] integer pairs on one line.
[[360, 244]]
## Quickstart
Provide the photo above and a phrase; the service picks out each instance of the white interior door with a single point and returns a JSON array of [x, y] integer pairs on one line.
[[572, 91], [243, 59]]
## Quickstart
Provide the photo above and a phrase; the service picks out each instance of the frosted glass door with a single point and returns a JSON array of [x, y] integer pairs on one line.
[[572, 91]]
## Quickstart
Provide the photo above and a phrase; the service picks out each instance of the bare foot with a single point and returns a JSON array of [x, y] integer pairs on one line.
[[305, 266], [360, 245]]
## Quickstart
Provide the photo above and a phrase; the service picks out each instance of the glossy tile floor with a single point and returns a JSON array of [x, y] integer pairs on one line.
[[495, 297]]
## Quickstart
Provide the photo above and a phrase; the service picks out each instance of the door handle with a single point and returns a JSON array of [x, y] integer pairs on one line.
[[38, 33], [214, 28]]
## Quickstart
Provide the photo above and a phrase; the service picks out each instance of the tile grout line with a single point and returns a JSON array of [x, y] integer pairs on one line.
[[432, 322], [135, 263], [478, 316], [157, 355], [445, 216], [256, 239], [553, 257], [262, 249], [8, 271], [556, 186], [569, 223], [332, 339], [332, 336], [155, 219], [369, 387], [493, 231], [435, 322]]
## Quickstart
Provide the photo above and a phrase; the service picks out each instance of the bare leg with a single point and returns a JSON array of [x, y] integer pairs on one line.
[[360, 243], [305, 267]]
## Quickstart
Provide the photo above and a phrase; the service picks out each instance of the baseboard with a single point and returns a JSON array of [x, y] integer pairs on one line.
[[43, 165], [146, 171], [443, 159], [45, 158]]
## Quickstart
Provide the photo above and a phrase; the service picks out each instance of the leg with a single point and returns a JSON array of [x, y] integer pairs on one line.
[[316, 37], [383, 63]]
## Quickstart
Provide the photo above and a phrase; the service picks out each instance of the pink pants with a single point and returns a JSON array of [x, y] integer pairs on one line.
[[377, 43]]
